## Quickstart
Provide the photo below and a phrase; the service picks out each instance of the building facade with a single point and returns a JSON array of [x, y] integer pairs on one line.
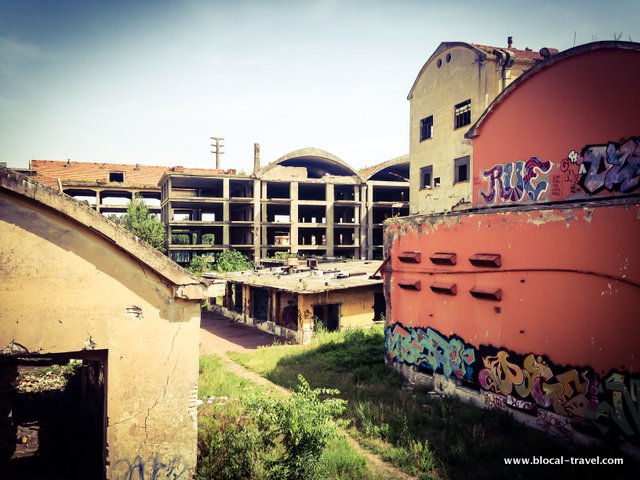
[[289, 301], [307, 203], [529, 304], [77, 287], [455, 85]]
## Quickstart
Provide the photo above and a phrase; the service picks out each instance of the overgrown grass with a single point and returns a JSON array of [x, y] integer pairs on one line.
[[246, 432], [425, 435]]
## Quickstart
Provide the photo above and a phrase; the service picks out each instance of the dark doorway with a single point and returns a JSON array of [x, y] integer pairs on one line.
[[52, 416], [329, 315], [260, 303], [379, 307]]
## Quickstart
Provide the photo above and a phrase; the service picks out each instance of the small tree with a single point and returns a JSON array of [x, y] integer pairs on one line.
[[200, 264], [143, 224], [232, 261]]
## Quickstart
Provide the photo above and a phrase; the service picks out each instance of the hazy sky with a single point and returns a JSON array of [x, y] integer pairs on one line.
[[150, 81]]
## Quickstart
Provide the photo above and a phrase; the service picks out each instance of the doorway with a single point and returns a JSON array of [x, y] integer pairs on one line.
[[53, 416]]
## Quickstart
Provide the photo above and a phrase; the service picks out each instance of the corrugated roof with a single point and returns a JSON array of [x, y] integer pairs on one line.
[[48, 171]]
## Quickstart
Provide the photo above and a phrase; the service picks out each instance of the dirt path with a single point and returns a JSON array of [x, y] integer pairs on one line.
[[219, 336]]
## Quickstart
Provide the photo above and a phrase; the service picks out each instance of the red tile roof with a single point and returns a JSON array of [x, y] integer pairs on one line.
[[49, 171]]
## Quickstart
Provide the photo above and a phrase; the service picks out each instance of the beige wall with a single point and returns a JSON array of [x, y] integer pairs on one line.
[[67, 289], [356, 305], [436, 93]]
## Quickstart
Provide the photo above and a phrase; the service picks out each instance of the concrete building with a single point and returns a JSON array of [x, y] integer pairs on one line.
[[308, 203], [287, 301], [107, 187], [529, 304], [76, 286], [452, 89]]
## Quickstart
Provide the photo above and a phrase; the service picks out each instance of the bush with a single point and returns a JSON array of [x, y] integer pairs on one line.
[[270, 438]]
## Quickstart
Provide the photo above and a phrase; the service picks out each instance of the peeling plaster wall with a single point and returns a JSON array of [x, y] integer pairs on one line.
[[66, 289]]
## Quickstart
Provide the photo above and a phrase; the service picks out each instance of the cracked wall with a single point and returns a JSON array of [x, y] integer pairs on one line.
[[66, 288]]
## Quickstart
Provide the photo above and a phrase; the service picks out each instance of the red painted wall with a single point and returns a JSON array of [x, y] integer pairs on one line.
[[590, 99]]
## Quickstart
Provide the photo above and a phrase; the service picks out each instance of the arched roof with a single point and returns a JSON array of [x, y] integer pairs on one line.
[[394, 170], [317, 162], [441, 48], [187, 285], [572, 52]]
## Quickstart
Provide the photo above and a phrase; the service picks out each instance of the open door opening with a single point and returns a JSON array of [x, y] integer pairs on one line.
[[53, 416]]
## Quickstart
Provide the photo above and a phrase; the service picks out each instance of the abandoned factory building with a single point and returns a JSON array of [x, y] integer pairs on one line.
[[288, 301], [308, 202], [76, 286]]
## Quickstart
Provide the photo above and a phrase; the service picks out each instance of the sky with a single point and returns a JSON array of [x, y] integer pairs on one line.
[[150, 82]]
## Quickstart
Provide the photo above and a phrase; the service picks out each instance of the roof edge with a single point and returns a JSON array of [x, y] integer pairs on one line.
[[571, 52], [187, 285]]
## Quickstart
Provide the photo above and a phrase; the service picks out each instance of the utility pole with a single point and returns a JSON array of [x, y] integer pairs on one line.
[[217, 146]]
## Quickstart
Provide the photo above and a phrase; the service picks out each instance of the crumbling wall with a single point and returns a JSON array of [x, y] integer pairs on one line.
[[66, 288]]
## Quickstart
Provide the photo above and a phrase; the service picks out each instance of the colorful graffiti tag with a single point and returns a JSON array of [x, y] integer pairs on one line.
[[614, 166], [529, 383], [515, 182], [427, 348]]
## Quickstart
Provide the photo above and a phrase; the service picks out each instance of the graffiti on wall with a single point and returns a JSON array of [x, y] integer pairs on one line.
[[516, 182], [614, 167], [529, 383], [429, 349], [154, 469]]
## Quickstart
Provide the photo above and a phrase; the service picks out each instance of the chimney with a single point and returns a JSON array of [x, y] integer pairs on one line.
[[509, 42], [256, 157], [68, 165]]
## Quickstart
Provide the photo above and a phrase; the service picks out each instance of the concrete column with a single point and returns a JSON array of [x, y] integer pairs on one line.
[[369, 210], [263, 216], [98, 200], [293, 212], [225, 211], [330, 230], [257, 234]]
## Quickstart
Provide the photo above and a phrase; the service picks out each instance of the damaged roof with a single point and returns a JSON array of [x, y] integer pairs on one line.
[[327, 276]]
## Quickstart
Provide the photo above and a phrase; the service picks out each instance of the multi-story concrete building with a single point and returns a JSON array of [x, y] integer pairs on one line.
[[107, 187], [308, 202], [452, 89]]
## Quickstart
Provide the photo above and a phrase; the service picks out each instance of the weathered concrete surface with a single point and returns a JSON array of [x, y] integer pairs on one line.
[[72, 282]]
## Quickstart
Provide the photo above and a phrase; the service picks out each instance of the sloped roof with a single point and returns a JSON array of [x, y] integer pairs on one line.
[[49, 171]]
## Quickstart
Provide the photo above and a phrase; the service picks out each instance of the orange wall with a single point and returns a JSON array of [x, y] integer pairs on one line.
[[555, 112]]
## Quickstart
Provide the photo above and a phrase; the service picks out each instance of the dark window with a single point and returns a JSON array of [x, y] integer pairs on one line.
[[116, 176], [426, 128], [461, 166], [462, 114], [426, 174]]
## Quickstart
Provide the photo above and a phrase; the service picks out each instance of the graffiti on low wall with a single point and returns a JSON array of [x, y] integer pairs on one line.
[[530, 383], [156, 468], [429, 349], [516, 182]]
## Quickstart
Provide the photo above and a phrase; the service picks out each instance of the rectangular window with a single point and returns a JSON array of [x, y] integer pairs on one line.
[[116, 176], [462, 114], [461, 167], [426, 128], [426, 174]]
